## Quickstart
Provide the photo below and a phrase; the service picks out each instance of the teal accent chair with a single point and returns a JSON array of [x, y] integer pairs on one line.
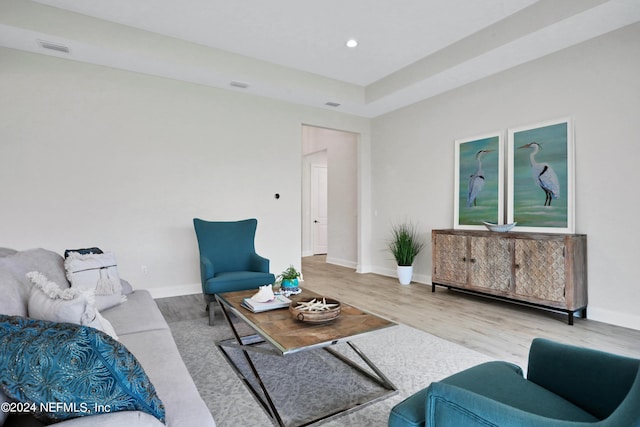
[[566, 386], [228, 259]]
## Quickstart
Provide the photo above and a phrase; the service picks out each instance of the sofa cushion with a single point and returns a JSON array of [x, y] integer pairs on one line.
[[7, 251], [45, 261], [139, 313], [78, 366], [14, 284], [114, 419], [157, 352], [15, 294], [230, 281]]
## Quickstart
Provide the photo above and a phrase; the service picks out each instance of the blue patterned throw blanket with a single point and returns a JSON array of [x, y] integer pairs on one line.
[[59, 371]]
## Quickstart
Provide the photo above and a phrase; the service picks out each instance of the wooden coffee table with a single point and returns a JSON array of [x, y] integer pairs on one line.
[[284, 335]]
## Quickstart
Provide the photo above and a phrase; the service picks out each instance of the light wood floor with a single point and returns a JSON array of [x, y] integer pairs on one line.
[[495, 328], [498, 329]]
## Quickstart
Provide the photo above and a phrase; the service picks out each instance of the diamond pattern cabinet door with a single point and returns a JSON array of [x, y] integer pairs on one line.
[[490, 264], [540, 269], [449, 259]]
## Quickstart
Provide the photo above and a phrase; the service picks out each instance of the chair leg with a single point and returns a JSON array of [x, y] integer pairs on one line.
[[211, 309], [209, 301]]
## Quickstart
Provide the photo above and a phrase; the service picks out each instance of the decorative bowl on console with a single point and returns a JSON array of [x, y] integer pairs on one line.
[[499, 228]]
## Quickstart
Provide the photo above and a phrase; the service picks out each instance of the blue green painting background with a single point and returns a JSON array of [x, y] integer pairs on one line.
[[486, 208], [528, 197]]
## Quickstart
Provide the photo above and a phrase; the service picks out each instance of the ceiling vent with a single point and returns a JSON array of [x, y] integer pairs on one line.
[[332, 104], [53, 46], [240, 85]]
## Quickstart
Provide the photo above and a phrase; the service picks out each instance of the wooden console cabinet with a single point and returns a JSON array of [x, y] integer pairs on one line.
[[543, 270]]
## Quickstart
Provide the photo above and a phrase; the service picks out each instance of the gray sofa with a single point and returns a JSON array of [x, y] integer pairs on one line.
[[139, 326]]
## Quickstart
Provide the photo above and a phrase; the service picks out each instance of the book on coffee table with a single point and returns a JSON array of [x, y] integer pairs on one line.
[[280, 301]]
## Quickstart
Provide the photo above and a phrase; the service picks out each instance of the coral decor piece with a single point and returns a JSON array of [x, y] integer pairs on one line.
[[265, 294]]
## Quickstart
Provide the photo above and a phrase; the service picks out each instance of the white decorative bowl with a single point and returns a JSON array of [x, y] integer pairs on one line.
[[499, 228], [313, 316]]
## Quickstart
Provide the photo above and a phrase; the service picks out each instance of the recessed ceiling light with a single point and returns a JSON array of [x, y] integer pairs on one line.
[[352, 43]]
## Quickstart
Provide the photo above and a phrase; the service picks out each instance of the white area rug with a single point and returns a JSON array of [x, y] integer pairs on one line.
[[410, 358]]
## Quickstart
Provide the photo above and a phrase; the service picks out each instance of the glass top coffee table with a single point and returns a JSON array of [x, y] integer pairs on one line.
[[277, 333]]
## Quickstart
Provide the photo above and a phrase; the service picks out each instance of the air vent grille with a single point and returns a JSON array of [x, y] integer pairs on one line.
[[241, 85], [53, 46]]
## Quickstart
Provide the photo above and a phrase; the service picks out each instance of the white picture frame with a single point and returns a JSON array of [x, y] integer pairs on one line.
[[479, 181], [541, 177]]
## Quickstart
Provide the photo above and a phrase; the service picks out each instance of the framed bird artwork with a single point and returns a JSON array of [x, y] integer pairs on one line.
[[540, 187], [479, 183]]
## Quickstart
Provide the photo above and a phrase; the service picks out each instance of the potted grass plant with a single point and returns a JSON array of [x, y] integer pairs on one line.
[[288, 280], [405, 245]]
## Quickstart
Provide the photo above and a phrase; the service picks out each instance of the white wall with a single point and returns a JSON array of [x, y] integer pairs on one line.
[[341, 159], [597, 84], [92, 156]]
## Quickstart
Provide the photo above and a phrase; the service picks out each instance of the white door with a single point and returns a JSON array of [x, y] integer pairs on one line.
[[319, 209]]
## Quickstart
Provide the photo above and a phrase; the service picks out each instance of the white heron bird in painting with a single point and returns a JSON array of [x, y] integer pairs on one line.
[[543, 175], [476, 181]]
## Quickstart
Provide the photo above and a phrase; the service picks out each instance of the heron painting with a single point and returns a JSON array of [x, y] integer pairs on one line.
[[476, 180], [540, 177], [479, 185], [543, 175]]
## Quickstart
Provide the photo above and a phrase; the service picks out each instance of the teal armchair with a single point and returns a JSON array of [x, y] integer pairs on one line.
[[228, 260], [566, 386]]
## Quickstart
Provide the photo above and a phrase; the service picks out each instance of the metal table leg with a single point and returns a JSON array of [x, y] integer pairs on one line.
[[267, 402]]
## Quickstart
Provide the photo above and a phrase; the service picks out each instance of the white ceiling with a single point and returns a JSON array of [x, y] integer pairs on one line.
[[311, 35], [295, 49]]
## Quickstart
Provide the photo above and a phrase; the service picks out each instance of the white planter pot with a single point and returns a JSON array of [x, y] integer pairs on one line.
[[404, 274]]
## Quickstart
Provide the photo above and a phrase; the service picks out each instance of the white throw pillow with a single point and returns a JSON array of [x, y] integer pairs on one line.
[[104, 302], [94, 271], [72, 305], [97, 271]]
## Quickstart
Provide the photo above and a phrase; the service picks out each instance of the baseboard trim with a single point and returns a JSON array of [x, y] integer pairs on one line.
[[175, 291], [625, 320], [363, 269], [424, 279], [341, 262]]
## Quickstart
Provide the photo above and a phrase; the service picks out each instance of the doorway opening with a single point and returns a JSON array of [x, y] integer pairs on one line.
[[330, 195]]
